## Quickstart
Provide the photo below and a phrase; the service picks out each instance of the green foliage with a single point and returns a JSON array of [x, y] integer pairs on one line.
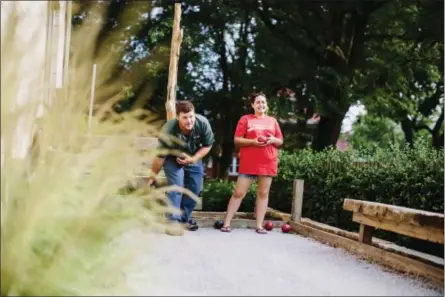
[[371, 131], [216, 195], [404, 77], [410, 177], [331, 53]]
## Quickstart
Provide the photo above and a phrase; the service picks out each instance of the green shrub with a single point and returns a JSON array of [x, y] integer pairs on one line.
[[216, 195], [410, 177], [404, 177]]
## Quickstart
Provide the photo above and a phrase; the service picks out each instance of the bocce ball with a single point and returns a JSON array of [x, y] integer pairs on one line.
[[268, 226], [262, 139], [218, 224], [285, 228]]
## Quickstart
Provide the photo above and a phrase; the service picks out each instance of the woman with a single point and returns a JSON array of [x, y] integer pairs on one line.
[[258, 137]]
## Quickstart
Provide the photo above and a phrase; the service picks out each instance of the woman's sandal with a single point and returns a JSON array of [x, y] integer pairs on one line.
[[225, 229], [261, 231]]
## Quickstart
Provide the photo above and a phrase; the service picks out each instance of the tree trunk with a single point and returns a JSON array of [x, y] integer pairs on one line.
[[438, 141], [227, 152], [301, 138], [327, 132], [436, 134], [215, 163], [408, 130], [347, 33]]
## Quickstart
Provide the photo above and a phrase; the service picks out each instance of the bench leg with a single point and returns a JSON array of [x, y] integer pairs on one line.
[[365, 234]]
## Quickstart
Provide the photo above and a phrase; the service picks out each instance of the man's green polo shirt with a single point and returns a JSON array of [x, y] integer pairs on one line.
[[201, 135]]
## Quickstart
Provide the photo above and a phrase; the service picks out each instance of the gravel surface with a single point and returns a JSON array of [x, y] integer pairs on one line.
[[209, 262]]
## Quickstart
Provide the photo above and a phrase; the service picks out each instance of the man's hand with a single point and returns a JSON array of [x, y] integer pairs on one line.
[[155, 168], [185, 159], [151, 181]]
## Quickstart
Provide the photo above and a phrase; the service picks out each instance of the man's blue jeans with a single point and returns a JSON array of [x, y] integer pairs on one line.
[[189, 177]]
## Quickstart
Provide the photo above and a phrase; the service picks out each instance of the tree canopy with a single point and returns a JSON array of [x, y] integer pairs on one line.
[[309, 57]]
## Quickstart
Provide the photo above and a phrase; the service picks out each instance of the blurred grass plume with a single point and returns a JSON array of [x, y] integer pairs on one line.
[[62, 211]]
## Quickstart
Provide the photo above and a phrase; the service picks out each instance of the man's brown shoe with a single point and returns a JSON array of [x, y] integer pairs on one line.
[[174, 229]]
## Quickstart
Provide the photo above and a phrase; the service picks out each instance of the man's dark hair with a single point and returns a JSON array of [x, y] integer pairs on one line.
[[184, 107], [253, 96]]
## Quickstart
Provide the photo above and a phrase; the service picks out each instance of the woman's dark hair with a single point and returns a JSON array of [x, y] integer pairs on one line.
[[253, 96]]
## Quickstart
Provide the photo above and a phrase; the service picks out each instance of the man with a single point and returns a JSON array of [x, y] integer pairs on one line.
[[195, 133]]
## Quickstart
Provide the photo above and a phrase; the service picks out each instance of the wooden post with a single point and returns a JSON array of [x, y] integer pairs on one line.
[[365, 234], [93, 89], [170, 105], [68, 16], [297, 200]]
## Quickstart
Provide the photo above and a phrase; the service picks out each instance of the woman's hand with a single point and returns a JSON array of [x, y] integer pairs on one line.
[[273, 140], [263, 141], [259, 141], [256, 142]]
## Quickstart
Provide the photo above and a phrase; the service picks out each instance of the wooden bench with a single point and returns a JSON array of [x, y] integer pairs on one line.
[[406, 221]]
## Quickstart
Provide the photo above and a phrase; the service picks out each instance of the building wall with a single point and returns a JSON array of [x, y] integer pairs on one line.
[[41, 28]]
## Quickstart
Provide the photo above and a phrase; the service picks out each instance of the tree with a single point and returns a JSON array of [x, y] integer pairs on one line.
[[128, 31], [370, 131], [327, 39], [406, 82], [309, 57]]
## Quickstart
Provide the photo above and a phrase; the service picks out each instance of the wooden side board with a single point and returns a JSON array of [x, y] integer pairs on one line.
[[377, 242], [374, 254], [278, 215], [240, 220], [221, 214], [236, 223]]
